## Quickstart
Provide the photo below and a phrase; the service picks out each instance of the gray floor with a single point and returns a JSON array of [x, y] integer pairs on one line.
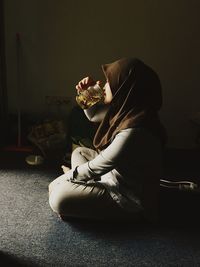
[[31, 235]]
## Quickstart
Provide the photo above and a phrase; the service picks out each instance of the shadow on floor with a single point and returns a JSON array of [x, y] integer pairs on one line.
[[8, 260]]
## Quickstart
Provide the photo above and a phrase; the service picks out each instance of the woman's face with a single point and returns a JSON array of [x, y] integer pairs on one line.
[[108, 94]]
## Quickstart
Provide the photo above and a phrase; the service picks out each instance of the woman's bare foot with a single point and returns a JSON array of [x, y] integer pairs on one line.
[[65, 169]]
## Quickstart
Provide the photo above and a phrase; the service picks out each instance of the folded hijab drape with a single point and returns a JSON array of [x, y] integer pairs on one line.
[[137, 98]]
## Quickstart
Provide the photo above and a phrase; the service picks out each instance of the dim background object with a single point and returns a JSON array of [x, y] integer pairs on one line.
[[19, 147], [34, 160], [49, 137], [57, 100]]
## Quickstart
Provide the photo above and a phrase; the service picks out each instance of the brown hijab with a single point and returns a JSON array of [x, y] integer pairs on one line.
[[137, 98]]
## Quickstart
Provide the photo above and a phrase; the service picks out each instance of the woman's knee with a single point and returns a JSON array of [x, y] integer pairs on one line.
[[62, 197], [78, 157], [76, 153], [77, 150], [50, 187], [56, 202]]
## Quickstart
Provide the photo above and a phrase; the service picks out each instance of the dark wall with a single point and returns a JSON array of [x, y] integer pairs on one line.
[[62, 41], [3, 91]]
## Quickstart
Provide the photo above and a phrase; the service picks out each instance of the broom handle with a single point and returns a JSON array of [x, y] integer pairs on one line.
[[18, 91]]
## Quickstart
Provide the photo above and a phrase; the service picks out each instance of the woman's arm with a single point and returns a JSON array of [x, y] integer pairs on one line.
[[97, 112], [107, 159]]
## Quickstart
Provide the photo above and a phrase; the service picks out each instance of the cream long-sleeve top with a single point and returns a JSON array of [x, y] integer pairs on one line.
[[130, 167]]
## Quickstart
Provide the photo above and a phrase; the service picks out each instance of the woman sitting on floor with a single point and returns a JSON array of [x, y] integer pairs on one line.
[[119, 180]]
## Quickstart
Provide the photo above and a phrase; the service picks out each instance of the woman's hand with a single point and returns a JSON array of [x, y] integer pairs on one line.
[[85, 83]]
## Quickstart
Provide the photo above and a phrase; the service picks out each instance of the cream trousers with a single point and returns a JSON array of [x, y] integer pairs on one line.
[[69, 199]]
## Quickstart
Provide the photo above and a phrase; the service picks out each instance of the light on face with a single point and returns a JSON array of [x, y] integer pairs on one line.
[[108, 93]]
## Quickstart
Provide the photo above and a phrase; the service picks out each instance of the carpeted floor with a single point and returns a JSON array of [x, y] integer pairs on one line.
[[31, 235]]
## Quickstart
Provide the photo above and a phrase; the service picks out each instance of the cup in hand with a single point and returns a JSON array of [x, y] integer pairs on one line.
[[89, 97]]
